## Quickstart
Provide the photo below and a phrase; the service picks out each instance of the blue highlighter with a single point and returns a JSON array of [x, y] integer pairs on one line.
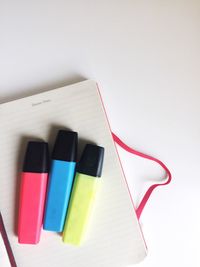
[[61, 178]]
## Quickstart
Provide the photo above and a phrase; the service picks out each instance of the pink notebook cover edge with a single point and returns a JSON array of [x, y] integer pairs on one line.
[[98, 89]]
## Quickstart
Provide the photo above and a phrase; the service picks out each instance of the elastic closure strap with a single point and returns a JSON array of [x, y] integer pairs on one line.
[[146, 196], [7, 243]]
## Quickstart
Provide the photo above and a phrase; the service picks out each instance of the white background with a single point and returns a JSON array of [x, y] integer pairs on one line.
[[145, 55]]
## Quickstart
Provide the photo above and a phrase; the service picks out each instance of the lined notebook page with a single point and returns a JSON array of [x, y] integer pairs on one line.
[[114, 238]]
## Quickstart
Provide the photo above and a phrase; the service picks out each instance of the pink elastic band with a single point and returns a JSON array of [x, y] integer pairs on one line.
[[145, 198], [7, 243]]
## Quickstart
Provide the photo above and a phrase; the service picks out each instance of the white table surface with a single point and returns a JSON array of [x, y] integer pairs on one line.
[[145, 55]]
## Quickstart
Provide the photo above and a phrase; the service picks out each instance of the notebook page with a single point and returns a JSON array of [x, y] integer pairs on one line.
[[114, 237]]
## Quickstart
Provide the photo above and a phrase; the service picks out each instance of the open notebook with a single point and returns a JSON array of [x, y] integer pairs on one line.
[[114, 237]]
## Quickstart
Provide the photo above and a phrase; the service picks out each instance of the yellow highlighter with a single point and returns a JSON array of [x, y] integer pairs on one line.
[[83, 193]]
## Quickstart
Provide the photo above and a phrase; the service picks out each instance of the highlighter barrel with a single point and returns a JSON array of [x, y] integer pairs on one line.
[[60, 180], [83, 194], [32, 192]]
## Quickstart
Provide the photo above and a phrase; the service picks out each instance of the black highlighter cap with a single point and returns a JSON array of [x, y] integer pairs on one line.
[[65, 147], [36, 157], [91, 162]]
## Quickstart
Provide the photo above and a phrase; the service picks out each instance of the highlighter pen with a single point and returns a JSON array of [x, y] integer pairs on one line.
[[84, 190], [60, 180], [32, 192]]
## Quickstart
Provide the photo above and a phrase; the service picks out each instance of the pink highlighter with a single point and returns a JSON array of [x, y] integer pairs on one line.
[[34, 180]]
